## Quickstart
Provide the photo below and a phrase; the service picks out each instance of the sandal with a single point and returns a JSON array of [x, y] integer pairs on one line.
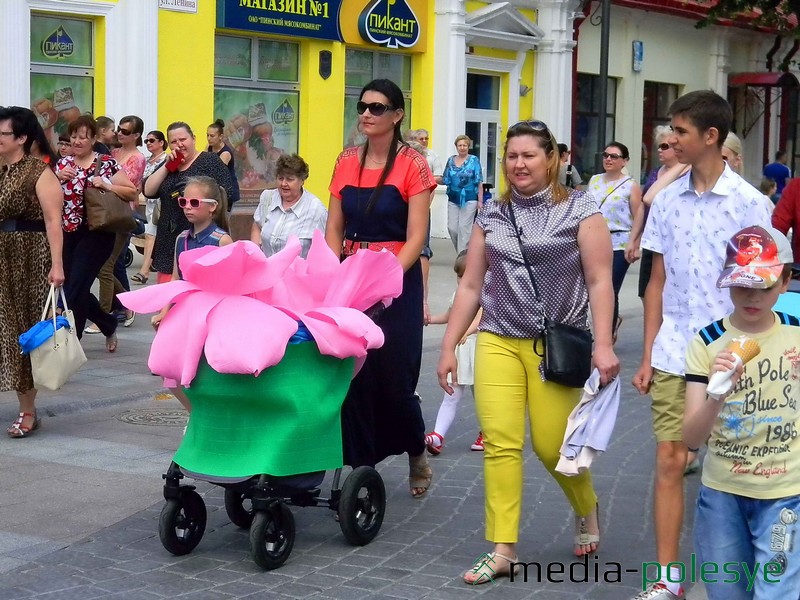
[[130, 317], [140, 278], [434, 447], [486, 569], [111, 343], [583, 537], [18, 430], [419, 475], [91, 329]]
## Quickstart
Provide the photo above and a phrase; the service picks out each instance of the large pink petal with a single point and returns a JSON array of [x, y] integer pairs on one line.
[[320, 258], [179, 342], [343, 332], [246, 336], [365, 279], [155, 297], [236, 269]]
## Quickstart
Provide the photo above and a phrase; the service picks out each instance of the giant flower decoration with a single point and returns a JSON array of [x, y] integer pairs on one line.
[[239, 308]]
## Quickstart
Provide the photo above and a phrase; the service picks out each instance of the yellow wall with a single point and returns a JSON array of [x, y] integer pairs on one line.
[[422, 74], [186, 68], [99, 67], [321, 113]]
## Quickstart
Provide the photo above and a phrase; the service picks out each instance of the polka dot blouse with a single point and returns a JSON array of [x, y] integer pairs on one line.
[[550, 238]]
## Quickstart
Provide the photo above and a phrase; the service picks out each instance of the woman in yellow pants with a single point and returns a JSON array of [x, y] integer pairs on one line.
[[568, 247]]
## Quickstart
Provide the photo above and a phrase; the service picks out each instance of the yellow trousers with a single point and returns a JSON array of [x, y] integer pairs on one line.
[[507, 386]]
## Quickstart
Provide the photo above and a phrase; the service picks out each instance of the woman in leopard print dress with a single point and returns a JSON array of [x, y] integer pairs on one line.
[[30, 253]]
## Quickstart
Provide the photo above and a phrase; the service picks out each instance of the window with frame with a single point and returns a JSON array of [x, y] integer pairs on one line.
[[361, 67], [62, 71], [256, 94], [587, 121], [657, 99]]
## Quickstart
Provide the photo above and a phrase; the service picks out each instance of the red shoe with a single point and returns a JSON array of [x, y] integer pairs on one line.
[[478, 444], [18, 430], [434, 442]]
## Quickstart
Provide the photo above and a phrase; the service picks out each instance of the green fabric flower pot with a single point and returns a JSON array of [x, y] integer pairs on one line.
[[286, 421]]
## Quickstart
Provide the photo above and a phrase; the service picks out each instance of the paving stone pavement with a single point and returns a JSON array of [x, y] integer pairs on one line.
[[420, 552]]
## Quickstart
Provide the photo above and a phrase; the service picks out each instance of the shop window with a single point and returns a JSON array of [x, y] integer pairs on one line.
[[657, 99], [256, 94], [361, 67], [62, 71], [587, 120]]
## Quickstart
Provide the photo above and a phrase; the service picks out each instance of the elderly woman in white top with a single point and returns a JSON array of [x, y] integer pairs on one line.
[[288, 209]]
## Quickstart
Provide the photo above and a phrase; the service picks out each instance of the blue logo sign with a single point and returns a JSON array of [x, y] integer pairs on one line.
[[390, 23], [283, 114], [302, 18], [58, 44]]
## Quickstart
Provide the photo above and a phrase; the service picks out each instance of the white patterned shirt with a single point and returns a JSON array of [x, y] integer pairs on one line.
[[278, 224], [614, 200], [691, 232]]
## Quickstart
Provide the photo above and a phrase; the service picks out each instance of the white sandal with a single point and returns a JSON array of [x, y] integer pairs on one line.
[[485, 571]]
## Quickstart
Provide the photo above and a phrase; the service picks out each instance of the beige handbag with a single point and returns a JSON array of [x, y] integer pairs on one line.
[[55, 361]]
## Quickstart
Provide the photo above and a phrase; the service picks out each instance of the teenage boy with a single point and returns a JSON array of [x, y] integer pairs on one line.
[[690, 221], [749, 501]]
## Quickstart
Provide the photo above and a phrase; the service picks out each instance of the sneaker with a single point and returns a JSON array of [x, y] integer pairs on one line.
[[434, 443], [478, 443], [658, 591], [418, 397], [91, 329]]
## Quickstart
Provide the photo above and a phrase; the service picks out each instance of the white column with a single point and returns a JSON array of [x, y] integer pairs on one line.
[[449, 93], [132, 61], [15, 40], [719, 62], [552, 83]]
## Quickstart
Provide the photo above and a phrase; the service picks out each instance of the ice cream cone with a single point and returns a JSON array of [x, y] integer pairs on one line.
[[744, 347]]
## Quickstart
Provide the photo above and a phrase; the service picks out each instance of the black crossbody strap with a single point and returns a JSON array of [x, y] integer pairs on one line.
[[603, 201], [518, 233]]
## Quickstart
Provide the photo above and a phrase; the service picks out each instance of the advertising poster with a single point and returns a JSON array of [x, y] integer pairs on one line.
[[259, 126], [58, 100]]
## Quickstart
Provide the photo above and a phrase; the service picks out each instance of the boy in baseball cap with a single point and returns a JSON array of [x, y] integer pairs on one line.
[[749, 500]]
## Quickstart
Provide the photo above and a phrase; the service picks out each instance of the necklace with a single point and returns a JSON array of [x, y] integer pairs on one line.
[[377, 162]]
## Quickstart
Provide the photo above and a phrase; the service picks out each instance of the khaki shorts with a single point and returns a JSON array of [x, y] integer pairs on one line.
[[668, 392]]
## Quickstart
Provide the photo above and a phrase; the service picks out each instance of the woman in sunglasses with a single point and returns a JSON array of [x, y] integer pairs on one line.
[[156, 144], [618, 196], [380, 194], [464, 180], [167, 184], [567, 248], [113, 275]]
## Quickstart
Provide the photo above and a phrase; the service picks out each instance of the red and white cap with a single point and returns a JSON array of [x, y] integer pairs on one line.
[[755, 258]]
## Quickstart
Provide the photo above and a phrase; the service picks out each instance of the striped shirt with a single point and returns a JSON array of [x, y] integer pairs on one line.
[[278, 224]]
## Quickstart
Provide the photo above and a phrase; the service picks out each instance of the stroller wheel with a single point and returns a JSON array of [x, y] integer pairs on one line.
[[182, 523], [128, 257], [239, 514], [272, 536], [362, 505]]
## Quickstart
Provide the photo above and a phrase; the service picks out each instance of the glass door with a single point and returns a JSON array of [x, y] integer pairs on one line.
[[483, 130]]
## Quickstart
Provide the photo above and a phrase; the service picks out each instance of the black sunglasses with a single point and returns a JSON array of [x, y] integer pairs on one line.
[[534, 124], [612, 156], [664, 146], [124, 131], [151, 141], [376, 109]]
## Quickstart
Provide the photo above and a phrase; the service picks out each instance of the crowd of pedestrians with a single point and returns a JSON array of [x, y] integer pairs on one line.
[[544, 251]]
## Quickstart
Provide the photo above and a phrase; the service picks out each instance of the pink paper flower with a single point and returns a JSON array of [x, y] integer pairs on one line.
[[240, 308]]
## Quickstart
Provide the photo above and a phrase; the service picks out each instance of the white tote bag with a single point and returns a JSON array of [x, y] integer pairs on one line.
[[61, 356]]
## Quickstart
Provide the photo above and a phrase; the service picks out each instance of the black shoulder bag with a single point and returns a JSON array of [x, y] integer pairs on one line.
[[567, 350]]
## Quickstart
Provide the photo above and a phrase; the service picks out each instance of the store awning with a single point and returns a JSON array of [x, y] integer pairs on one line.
[[763, 79]]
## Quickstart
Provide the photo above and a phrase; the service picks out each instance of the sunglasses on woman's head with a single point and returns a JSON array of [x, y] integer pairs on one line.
[[194, 202], [663, 147], [376, 109], [534, 124]]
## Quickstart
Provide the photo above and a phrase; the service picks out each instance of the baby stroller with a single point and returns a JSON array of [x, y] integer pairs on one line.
[[268, 441]]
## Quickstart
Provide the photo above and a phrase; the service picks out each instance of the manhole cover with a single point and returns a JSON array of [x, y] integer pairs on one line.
[[154, 416]]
